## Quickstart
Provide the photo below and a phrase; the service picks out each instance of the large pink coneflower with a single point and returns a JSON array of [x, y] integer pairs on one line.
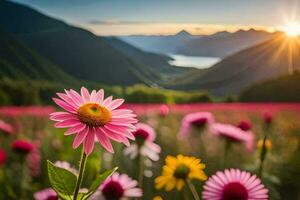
[[198, 120], [46, 194], [2, 157], [145, 146], [117, 187], [234, 184], [91, 117], [5, 128], [22, 146], [233, 134]]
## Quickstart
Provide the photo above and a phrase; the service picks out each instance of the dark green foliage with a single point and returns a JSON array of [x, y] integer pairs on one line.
[[4, 98], [282, 89], [25, 92], [33, 92], [19, 62], [142, 94]]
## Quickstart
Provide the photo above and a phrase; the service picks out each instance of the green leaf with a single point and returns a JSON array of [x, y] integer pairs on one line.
[[62, 181], [98, 181]]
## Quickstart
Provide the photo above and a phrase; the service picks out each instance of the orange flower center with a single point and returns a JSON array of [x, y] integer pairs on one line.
[[93, 114]]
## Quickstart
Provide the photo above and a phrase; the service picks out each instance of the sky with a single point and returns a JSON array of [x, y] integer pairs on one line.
[[163, 17]]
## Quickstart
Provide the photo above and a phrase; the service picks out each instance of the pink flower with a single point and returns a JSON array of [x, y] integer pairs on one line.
[[2, 157], [91, 117], [268, 118], [145, 146], [245, 125], [233, 134], [46, 194], [6, 128], [234, 184], [34, 160], [199, 119], [67, 166], [119, 186], [22, 146], [164, 110]]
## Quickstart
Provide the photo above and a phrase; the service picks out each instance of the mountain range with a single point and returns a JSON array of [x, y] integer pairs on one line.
[[73, 49], [223, 44], [220, 44], [160, 43], [278, 56]]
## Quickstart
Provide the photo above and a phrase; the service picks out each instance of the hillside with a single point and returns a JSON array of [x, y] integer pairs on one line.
[[223, 44], [282, 89], [264, 61], [19, 62], [76, 51], [159, 43], [157, 62]]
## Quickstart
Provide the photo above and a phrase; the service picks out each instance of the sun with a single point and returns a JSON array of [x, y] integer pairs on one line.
[[292, 29]]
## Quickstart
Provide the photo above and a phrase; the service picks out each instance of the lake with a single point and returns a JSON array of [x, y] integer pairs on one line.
[[199, 62]]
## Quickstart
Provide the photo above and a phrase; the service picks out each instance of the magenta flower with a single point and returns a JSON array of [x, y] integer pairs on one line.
[[119, 186], [268, 118], [234, 184], [233, 134], [199, 119], [145, 146], [46, 194], [5, 128], [22, 146], [164, 110], [91, 117], [2, 157], [245, 125]]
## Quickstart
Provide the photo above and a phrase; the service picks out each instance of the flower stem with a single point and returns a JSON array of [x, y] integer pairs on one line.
[[226, 150], [262, 157], [80, 176], [192, 189], [141, 170], [23, 179]]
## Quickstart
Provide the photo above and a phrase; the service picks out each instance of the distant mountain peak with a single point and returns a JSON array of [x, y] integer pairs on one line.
[[183, 33]]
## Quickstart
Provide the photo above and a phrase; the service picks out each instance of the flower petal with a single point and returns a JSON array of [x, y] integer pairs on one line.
[[89, 142], [104, 141], [85, 95], [115, 104], [80, 137], [64, 105]]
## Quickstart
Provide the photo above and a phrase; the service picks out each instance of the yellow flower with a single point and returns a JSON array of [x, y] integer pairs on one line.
[[178, 170], [157, 198], [268, 144]]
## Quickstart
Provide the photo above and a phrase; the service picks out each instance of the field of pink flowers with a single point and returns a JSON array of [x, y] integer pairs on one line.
[[234, 141]]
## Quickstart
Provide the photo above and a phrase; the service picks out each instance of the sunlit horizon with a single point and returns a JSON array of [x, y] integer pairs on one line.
[[119, 29]]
